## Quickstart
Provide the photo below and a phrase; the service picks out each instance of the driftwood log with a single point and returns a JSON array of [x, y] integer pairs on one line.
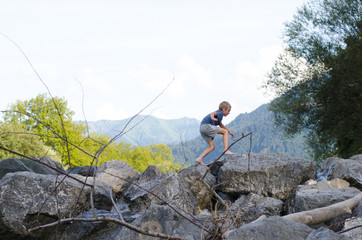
[[324, 214]]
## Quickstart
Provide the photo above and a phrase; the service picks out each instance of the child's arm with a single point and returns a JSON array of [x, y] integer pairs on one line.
[[213, 116], [223, 126]]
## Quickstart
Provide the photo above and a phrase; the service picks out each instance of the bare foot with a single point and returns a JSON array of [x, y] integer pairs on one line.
[[198, 160], [229, 153]]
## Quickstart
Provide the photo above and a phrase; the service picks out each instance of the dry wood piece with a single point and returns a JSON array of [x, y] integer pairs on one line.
[[323, 214]]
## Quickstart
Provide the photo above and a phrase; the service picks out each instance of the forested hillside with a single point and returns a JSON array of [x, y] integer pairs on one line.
[[148, 130], [265, 138]]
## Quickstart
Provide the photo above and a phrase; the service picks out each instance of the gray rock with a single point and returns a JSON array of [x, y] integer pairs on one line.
[[346, 169], [114, 173], [94, 230], [356, 233], [274, 175], [203, 195], [325, 234], [21, 164], [252, 206], [308, 197], [269, 229], [163, 219], [81, 230], [357, 157], [54, 164], [27, 199], [86, 171], [170, 188]]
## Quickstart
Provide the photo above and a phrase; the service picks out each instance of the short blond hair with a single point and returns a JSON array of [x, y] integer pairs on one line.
[[224, 104]]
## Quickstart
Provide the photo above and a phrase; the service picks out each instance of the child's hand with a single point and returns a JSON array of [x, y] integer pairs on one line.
[[231, 134]]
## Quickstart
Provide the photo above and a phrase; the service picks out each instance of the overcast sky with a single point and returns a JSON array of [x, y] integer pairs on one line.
[[124, 53]]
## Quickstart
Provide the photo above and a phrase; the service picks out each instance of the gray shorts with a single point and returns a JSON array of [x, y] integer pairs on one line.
[[208, 131]]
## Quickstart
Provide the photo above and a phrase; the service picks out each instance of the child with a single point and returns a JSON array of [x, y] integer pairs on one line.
[[209, 128]]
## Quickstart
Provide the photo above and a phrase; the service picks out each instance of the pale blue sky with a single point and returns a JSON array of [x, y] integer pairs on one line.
[[125, 52]]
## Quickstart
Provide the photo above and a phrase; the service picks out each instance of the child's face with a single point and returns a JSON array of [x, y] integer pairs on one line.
[[226, 111]]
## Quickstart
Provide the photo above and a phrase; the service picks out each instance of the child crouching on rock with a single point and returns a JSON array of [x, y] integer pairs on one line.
[[209, 128]]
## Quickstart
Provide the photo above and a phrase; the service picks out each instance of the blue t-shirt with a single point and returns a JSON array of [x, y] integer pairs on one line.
[[207, 119]]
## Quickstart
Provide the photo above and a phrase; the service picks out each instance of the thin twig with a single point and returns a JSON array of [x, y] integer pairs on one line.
[[107, 219], [159, 198], [48, 90], [115, 206], [349, 229], [183, 151], [45, 164]]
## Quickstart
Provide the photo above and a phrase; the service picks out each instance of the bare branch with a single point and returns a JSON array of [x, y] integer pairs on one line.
[[115, 206], [49, 166], [106, 219], [183, 151], [159, 198]]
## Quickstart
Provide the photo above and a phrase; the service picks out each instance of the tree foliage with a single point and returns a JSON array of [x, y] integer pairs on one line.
[[50, 121], [13, 136], [139, 157], [317, 79]]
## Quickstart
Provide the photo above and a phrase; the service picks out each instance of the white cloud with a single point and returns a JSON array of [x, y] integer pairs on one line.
[[93, 80], [188, 75], [108, 111], [193, 72], [248, 78], [152, 80], [46, 71]]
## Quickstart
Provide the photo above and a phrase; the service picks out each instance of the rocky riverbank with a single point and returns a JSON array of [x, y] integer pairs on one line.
[[183, 205]]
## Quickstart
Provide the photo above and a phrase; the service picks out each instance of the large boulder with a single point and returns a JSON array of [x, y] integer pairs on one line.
[[169, 188], [322, 194], [40, 165], [273, 175], [202, 193], [115, 173], [165, 220], [271, 228], [252, 206], [95, 229], [28, 199], [346, 169]]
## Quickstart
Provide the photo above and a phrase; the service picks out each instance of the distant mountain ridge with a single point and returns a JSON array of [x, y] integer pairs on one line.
[[183, 136], [145, 130], [266, 138]]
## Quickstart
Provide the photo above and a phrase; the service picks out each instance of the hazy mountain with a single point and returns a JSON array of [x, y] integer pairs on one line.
[[145, 130], [265, 138]]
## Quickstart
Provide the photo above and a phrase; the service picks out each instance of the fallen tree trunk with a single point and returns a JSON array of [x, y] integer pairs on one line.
[[324, 214]]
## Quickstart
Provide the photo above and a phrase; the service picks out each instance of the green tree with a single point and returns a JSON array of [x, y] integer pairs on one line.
[[13, 136], [51, 119], [317, 80]]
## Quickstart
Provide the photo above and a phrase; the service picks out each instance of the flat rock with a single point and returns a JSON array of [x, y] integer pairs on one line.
[[115, 173], [271, 228], [273, 175]]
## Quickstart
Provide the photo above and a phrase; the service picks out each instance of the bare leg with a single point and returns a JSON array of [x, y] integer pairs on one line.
[[207, 151], [225, 139]]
